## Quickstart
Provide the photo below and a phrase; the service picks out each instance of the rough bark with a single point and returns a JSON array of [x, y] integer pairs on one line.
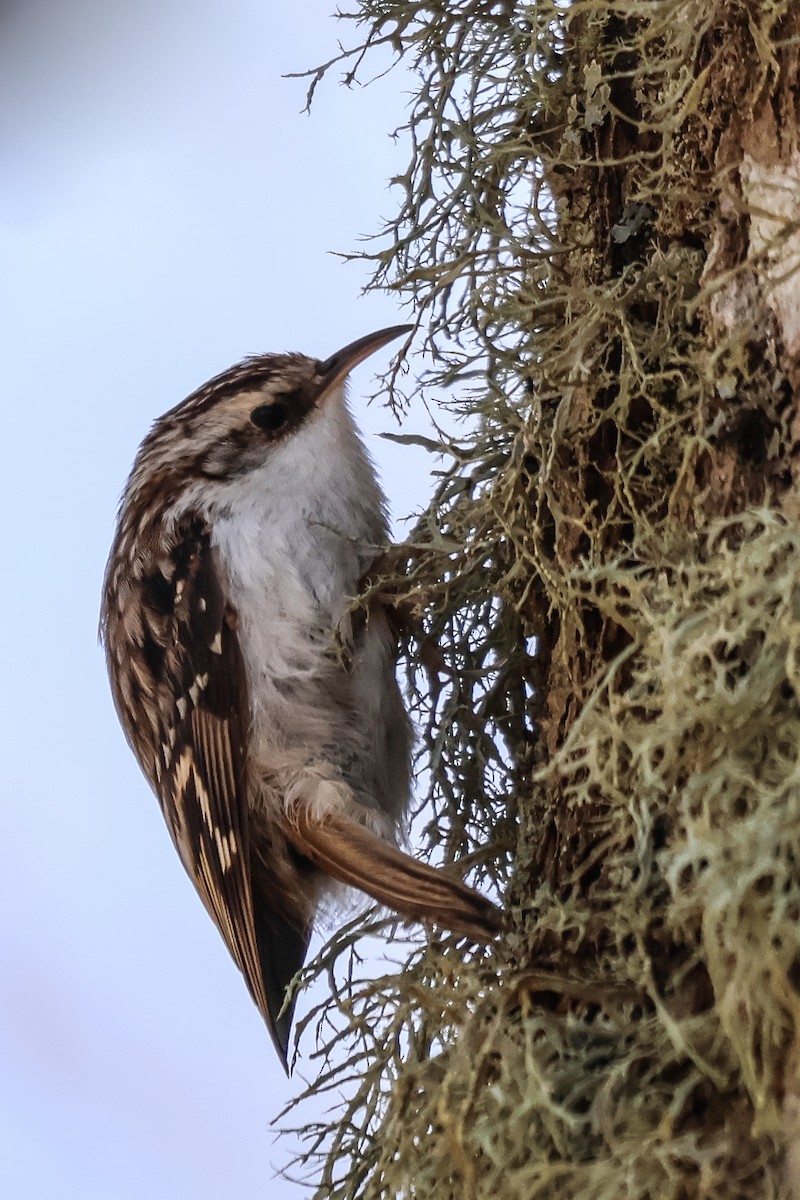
[[601, 226]]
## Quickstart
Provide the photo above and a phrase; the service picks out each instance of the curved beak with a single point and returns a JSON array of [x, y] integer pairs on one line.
[[339, 365]]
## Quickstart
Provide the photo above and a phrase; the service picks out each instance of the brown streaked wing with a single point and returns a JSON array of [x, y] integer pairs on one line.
[[202, 788]]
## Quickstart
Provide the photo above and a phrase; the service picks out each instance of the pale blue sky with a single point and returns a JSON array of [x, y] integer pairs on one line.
[[165, 208]]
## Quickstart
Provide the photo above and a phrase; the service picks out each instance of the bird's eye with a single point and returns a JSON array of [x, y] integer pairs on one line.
[[270, 417]]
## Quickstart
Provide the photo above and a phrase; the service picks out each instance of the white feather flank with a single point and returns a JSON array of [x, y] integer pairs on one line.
[[293, 538]]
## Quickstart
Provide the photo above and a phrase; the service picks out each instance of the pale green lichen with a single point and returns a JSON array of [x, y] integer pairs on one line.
[[626, 466]]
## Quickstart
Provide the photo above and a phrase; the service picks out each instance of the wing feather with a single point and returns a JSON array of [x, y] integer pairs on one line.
[[187, 719]]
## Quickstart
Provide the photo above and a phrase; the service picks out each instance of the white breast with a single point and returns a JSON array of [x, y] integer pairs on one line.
[[293, 539]]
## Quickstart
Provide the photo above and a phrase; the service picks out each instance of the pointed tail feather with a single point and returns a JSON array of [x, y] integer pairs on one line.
[[354, 855], [282, 946]]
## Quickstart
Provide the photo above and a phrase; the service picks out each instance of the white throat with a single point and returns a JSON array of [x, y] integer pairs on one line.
[[293, 538]]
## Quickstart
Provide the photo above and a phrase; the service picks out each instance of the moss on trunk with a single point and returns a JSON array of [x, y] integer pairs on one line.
[[599, 231]]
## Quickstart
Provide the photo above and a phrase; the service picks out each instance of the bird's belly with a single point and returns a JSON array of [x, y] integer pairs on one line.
[[315, 703]]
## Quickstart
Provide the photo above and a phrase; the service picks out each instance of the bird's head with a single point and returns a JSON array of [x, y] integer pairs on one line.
[[234, 423]]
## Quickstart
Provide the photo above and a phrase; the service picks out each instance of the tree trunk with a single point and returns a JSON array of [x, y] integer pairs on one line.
[[602, 221]]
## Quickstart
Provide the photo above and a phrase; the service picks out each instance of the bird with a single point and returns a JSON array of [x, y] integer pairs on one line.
[[262, 705]]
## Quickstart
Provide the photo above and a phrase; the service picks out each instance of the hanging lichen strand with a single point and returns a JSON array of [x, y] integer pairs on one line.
[[599, 232]]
